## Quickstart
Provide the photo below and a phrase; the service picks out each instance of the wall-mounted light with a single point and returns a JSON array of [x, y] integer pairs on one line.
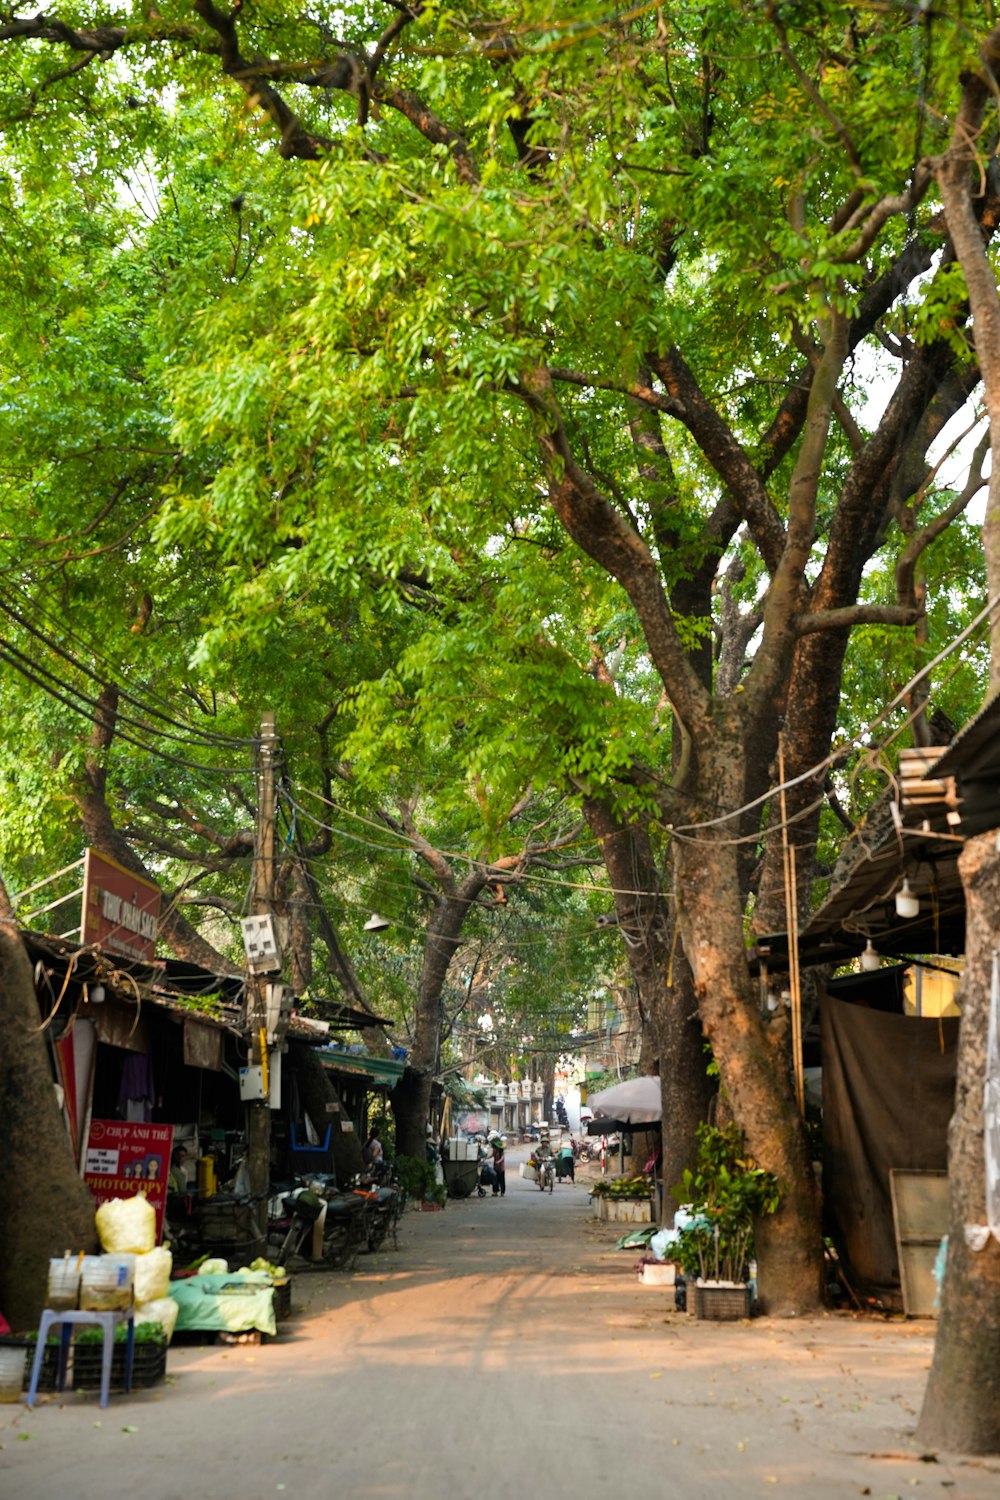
[[376, 923], [870, 959], [907, 904]]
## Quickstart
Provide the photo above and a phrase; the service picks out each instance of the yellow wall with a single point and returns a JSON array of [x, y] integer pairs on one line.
[[933, 991]]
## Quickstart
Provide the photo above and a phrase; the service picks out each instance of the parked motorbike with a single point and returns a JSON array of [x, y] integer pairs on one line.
[[348, 1220]]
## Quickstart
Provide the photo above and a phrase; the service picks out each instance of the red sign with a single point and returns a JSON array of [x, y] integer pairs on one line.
[[126, 1157], [120, 910]]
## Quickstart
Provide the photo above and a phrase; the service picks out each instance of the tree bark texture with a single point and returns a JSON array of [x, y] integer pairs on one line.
[[45, 1208], [961, 1410]]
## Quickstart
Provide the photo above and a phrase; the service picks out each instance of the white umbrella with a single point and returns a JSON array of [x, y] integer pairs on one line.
[[635, 1102]]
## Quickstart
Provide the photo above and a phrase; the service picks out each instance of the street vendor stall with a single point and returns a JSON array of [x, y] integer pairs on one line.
[[225, 1302]]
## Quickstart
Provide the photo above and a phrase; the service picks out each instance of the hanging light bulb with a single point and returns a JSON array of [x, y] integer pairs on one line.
[[870, 959], [907, 904]]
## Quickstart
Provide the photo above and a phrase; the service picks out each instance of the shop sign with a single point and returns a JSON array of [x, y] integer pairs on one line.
[[126, 1157], [121, 911]]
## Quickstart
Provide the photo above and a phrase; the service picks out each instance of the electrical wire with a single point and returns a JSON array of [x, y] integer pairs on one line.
[[195, 732], [30, 672], [527, 876], [19, 660], [855, 742]]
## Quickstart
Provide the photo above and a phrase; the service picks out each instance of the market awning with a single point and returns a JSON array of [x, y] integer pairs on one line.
[[364, 1065], [636, 1102]]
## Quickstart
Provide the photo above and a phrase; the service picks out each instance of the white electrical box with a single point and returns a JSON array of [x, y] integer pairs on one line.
[[252, 1084], [260, 943]]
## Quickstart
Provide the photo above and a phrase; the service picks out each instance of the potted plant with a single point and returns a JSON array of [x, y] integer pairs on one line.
[[727, 1192], [625, 1199], [419, 1181]]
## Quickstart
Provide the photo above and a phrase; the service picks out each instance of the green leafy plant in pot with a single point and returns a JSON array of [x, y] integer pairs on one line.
[[727, 1191], [638, 1186], [419, 1180]]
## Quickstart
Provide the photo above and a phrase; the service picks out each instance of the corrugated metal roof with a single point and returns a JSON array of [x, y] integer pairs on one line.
[[975, 750], [386, 1069]]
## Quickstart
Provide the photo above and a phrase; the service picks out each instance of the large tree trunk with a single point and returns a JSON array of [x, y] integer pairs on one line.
[[412, 1095], [45, 1208], [961, 1411], [753, 1072], [956, 172], [411, 1111], [662, 977], [961, 1408]]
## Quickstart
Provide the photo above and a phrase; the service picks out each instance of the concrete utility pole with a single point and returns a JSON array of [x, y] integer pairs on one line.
[[258, 1114]]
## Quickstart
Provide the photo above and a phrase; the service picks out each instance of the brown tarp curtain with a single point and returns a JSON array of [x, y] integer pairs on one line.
[[888, 1091]]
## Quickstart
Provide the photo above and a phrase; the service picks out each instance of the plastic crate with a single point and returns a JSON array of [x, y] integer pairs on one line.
[[282, 1299], [50, 1361], [722, 1304], [149, 1366]]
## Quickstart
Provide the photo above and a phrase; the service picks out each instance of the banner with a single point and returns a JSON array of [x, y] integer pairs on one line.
[[126, 1157], [75, 1053], [121, 911]]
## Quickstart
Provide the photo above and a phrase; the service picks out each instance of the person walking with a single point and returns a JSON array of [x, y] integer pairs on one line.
[[499, 1169], [567, 1153]]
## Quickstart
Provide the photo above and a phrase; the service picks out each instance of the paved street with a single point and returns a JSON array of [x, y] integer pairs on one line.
[[504, 1348]]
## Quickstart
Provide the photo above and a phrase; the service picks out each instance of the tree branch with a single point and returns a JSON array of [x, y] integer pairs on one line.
[[856, 614]]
